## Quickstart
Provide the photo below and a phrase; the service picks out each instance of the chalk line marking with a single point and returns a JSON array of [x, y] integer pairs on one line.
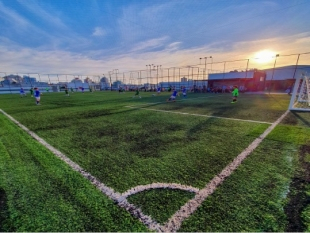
[[142, 188], [193, 114], [176, 100], [174, 223]]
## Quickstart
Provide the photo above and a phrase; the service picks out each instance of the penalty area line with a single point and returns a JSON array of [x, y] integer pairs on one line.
[[194, 114], [175, 101]]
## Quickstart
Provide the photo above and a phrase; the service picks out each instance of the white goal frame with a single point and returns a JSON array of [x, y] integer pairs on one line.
[[300, 100]]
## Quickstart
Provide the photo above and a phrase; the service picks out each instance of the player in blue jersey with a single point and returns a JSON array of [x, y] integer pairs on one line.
[[158, 90], [37, 95], [173, 96], [22, 92], [184, 92], [83, 90]]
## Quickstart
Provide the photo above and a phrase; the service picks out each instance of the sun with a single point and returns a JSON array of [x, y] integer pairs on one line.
[[264, 56]]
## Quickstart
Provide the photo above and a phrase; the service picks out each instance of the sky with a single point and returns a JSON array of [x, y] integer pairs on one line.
[[101, 36]]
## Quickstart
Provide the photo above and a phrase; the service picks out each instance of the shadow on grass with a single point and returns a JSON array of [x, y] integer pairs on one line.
[[298, 198], [3, 211], [306, 122]]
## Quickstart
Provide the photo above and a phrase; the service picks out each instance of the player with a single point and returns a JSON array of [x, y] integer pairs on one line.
[[184, 92], [235, 94], [83, 90], [31, 91], [67, 92], [173, 96], [37, 95], [137, 93], [71, 89], [158, 90], [22, 92]]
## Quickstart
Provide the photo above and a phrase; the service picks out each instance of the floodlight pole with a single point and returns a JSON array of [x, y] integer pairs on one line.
[[296, 66], [110, 80], [274, 65]]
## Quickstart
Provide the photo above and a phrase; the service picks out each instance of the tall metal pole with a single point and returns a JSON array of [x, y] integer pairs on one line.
[[110, 80], [296, 66], [274, 65], [246, 73], [157, 76]]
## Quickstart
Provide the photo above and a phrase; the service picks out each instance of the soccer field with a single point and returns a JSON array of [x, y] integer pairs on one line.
[[197, 164]]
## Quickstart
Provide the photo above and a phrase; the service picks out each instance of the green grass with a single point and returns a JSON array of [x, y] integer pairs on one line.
[[125, 147], [41, 193]]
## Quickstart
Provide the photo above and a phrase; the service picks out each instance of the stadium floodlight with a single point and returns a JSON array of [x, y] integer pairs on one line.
[[300, 100]]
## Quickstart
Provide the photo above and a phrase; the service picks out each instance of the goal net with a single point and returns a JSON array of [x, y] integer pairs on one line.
[[300, 99]]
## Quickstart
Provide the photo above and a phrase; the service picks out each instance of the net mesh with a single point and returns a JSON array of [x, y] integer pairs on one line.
[[301, 95]]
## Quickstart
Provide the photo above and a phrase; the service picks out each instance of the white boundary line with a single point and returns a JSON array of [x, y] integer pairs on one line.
[[174, 223], [176, 100], [193, 114]]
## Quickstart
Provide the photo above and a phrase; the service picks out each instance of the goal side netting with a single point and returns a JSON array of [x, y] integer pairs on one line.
[[300, 100]]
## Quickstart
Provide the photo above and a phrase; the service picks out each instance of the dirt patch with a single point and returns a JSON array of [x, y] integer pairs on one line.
[[298, 198]]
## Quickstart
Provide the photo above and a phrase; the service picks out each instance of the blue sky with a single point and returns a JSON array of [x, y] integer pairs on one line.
[[97, 36]]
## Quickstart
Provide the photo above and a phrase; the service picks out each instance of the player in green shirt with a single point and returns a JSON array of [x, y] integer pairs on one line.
[[235, 94], [137, 93], [31, 92]]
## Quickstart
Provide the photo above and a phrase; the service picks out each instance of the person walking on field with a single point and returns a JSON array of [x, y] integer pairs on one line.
[[31, 92], [137, 93], [235, 94], [67, 92], [37, 95]]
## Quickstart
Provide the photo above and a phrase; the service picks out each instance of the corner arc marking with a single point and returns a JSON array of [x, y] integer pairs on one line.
[[141, 188]]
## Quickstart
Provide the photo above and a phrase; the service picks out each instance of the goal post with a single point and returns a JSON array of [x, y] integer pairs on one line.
[[300, 100]]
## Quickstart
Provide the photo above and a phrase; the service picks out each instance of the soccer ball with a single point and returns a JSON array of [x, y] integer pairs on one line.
[[153, 95]]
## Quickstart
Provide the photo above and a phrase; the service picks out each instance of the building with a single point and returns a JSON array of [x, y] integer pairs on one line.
[[278, 79]]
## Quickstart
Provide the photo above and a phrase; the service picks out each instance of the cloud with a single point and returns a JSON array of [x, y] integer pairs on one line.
[[150, 44], [98, 31], [43, 14], [12, 16]]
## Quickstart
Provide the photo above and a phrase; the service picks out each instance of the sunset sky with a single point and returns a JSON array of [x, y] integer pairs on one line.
[[98, 36]]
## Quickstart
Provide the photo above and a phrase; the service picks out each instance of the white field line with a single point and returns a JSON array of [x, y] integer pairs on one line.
[[117, 197], [174, 223], [175, 101], [142, 188], [193, 114]]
